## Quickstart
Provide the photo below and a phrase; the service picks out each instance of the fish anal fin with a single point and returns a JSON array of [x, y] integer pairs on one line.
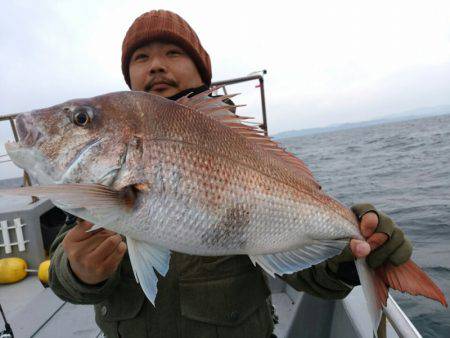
[[409, 278], [288, 262]]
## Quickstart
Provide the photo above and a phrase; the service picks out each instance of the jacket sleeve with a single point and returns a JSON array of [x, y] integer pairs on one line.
[[320, 281], [331, 279], [66, 285]]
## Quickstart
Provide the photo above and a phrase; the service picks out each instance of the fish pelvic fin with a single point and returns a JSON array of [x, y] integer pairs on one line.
[[408, 277], [288, 262], [145, 260]]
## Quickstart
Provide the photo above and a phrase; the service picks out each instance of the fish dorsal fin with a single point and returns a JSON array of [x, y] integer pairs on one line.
[[215, 108], [208, 105]]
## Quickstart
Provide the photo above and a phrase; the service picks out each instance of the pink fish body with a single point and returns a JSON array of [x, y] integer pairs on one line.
[[186, 176]]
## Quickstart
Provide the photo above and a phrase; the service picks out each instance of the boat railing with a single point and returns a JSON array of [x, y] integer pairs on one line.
[[4, 157], [259, 77]]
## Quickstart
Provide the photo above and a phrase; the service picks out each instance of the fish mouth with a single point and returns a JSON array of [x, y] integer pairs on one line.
[[28, 133], [11, 146], [28, 159]]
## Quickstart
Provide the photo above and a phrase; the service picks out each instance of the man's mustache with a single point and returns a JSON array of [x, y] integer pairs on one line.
[[160, 79]]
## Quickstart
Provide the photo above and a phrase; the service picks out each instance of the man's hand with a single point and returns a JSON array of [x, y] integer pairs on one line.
[[384, 240], [368, 224], [93, 256]]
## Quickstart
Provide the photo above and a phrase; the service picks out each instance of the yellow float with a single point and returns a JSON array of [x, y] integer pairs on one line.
[[43, 271], [13, 270]]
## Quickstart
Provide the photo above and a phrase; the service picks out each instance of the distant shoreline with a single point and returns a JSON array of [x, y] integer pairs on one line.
[[346, 126]]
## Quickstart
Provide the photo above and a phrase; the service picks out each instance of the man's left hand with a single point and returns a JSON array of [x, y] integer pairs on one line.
[[384, 240]]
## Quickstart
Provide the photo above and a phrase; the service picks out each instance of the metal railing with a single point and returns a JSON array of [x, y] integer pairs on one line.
[[261, 90], [399, 320], [10, 118]]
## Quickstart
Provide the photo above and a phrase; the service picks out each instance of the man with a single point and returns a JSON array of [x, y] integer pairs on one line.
[[199, 296]]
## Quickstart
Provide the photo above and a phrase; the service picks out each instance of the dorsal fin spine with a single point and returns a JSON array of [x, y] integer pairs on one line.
[[215, 108]]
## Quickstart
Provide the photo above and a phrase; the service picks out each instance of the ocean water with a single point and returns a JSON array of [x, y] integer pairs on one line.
[[403, 169]]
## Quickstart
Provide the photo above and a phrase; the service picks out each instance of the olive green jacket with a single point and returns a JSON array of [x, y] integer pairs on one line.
[[199, 297]]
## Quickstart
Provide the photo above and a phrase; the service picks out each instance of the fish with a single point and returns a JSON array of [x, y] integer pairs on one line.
[[191, 176]]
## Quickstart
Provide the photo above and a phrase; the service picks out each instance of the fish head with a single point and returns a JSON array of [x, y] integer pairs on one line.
[[79, 141]]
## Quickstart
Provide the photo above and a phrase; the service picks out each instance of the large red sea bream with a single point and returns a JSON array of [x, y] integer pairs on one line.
[[190, 176]]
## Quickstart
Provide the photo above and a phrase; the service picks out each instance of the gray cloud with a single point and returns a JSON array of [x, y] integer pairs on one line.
[[326, 64], [416, 87]]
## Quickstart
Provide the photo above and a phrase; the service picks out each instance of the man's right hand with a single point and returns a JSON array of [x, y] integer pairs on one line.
[[93, 256]]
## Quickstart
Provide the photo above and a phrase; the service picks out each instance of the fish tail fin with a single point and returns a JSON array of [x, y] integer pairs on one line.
[[409, 278], [375, 292]]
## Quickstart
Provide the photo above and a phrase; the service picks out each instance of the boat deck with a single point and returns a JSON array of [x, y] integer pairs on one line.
[[35, 311]]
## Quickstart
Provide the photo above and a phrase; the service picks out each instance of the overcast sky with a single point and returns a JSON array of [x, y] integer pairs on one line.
[[328, 61]]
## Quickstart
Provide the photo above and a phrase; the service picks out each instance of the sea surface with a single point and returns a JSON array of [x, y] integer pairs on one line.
[[403, 169]]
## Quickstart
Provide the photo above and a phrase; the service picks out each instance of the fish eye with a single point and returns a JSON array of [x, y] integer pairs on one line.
[[82, 116]]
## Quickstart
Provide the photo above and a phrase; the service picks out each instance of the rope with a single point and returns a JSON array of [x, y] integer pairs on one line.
[[8, 331]]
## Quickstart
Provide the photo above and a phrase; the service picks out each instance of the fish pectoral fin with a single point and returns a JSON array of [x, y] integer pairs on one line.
[[145, 259], [75, 195], [288, 262]]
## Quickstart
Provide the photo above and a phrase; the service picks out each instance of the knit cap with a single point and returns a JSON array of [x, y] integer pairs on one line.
[[165, 26]]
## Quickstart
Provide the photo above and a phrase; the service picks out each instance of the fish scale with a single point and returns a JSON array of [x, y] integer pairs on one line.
[[244, 189]]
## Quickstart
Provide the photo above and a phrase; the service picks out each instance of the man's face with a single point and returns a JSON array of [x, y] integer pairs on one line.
[[163, 69]]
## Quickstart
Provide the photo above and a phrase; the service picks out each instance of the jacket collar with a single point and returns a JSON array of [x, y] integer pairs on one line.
[[191, 91]]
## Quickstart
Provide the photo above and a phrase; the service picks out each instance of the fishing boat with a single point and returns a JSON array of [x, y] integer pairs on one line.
[[32, 310]]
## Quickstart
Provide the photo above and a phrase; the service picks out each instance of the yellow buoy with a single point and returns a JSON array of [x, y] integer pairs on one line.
[[43, 271], [15, 269], [12, 270]]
